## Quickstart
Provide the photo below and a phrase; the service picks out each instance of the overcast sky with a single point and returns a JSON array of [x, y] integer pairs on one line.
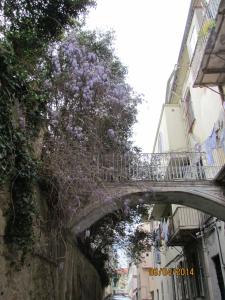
[[148, 40]]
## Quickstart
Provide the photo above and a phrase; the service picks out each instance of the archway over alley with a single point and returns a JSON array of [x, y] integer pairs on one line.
[[207, 196], [184, 178]]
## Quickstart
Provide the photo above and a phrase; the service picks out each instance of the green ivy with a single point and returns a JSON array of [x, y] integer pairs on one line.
[[28, 29], [17, 161], [206, 27]]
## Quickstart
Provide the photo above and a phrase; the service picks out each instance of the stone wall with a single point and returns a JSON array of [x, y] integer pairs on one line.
[[60, 274]]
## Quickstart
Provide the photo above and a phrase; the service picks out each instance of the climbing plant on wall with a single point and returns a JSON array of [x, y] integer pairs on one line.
[[67, 81], [25, 35]]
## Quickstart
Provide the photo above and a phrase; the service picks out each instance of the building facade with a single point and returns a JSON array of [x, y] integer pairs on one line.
[[142, 286], [192, 120]]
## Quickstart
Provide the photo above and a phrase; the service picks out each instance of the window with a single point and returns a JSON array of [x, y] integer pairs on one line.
[[192, 41], [188, 111]]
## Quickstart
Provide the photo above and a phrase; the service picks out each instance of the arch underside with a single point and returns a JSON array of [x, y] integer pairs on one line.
[[205, 196]]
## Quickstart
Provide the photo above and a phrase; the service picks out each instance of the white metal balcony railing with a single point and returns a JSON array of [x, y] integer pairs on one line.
[[179, 166], [206, 27], [186, 218]]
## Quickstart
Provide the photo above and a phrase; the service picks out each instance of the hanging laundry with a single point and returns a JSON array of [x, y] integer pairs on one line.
[[222, 139], [208, 150], [165, 231], [212, 139], [158, 237]]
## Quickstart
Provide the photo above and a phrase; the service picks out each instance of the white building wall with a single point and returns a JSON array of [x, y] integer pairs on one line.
[[207, 107], [171, 140], [132, 282], [175, 128], [144, 284]]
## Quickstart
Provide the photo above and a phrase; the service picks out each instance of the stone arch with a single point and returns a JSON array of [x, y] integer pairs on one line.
[[206, 196]]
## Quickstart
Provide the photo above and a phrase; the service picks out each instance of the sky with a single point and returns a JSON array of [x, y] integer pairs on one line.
[[148, 38]]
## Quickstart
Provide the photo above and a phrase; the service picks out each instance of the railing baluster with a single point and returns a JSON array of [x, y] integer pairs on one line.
[[182, 166], [171, 166], [176, 163]]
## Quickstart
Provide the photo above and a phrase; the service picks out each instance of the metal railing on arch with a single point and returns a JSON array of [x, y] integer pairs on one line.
[[173, 166]]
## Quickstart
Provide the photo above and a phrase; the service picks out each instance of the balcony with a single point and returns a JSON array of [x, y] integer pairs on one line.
[[208, 63], [185, 223], [170, 166]]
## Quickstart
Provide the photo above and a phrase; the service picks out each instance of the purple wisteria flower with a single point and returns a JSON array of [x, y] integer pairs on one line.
[[84, 83]]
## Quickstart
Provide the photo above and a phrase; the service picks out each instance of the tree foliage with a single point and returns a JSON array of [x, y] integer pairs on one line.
[[31, 24], [90, 113], [138, 243], [116, 231]]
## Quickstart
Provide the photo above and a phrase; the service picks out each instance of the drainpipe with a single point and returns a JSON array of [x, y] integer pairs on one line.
[[207, 268]]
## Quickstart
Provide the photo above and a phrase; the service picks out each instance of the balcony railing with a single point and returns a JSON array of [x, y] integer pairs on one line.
[[206, 27], [174, 166], [185, 221], [187, 218]]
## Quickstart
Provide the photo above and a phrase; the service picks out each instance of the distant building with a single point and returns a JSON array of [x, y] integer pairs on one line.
[[142, 286], [132, 282], [119, 285]]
